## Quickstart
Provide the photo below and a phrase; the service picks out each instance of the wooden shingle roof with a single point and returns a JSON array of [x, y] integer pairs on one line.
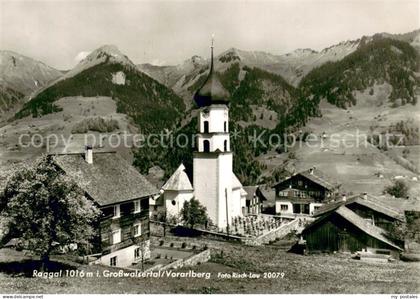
[[316, 176], [108, 180], [369, 202], [320, 178], [372, 230]]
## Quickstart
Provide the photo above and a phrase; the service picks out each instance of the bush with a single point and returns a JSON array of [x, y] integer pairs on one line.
[[97, 124], [399, 189]]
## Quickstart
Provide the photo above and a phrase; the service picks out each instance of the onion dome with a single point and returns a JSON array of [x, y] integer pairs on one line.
[[212, 91]]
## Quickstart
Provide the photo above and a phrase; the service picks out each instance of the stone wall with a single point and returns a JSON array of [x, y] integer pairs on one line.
[[277, 233], [200, 258], [196, 259]]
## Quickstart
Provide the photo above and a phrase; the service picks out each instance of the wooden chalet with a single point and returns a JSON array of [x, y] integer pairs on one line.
[[122, 194], [303, 193], [356, 224]]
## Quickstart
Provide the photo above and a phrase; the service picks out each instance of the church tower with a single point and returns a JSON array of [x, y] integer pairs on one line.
[[212, 164]]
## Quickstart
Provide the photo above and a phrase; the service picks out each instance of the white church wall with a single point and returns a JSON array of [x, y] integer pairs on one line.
[[216, 142], [216, 116], [205, 172], [236, 207], [224, 188], [174, 201]]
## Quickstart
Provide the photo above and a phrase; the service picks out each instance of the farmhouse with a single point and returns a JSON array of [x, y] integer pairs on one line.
[[356, 224], [123, 196], [303, 193]]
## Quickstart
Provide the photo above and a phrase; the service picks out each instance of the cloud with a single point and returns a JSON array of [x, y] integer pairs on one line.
[[82, 55]]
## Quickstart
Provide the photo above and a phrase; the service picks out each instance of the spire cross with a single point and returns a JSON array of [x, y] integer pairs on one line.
[[212, 40]]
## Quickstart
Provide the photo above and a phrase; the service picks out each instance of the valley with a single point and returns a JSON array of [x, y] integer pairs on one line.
[[277, 93]]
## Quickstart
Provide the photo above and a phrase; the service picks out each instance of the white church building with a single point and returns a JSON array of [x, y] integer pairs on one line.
[[215, 185]]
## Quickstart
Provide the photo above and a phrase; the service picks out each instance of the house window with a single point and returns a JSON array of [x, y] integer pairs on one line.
[[316, 208], [300, 183], [206, 145], [137, 253], [137, 229], [116, 211], [116, 236], [225, 145], [284, 207], [173, 202], [113, 261], [225, 127], [206, 126], [137, 207]]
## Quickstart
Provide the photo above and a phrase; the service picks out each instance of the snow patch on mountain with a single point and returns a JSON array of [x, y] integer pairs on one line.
[[118, 78]]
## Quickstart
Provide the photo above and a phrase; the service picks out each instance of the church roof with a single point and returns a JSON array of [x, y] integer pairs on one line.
[[212, 90], [179, 181], [236, 184], [108, 180]]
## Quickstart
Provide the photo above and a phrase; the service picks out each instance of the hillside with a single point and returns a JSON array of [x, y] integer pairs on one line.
[[259, 100], [105, 72], [374, 62], [20, 76]]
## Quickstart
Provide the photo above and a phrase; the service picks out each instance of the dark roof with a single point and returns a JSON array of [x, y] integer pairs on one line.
[[212, 91], [250, 190], [362, 224], [317, 177], [370, 229], [369, 202], [268, 193], [108, 180], [320, 178]]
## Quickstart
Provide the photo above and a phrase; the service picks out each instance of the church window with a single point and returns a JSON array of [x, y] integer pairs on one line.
[[206, 145], [225, 145], [173, 202], [225, 127], [206, 126]]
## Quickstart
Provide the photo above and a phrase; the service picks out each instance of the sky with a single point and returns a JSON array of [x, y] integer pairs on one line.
[[61, 32]]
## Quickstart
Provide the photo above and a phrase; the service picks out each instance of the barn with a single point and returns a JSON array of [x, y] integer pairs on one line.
[[339, 229]]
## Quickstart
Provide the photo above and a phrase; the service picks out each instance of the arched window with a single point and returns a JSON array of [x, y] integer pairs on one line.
[[206, 146], [206, 126], [225, 127], [225, 145]]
